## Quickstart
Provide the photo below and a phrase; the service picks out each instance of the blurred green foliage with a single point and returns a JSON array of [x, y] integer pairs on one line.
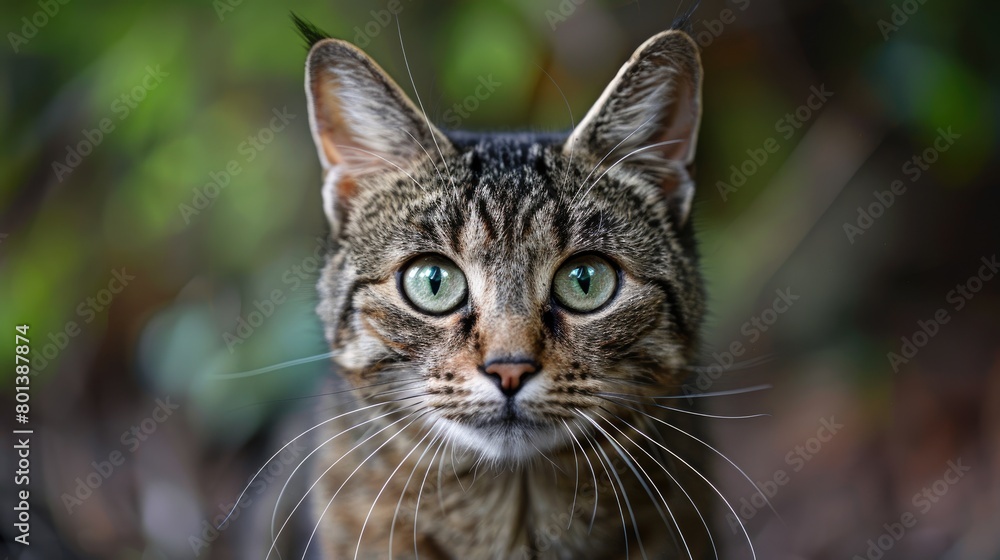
[[230, 64]]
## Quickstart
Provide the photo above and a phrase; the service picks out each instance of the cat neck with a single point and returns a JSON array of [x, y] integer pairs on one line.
[[456, 499]]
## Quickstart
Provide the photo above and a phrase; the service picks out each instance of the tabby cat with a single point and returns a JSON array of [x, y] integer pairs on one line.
[[503, 309]]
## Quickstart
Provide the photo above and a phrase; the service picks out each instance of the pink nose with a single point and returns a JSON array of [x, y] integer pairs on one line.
[[511, 374]]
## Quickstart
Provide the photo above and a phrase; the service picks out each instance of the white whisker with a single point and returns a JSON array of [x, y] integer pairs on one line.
[[453, 469], [688, 465], [283, 447], [554, 465], [439, 477], [427, 122], [593, 515], [420, 493], [576, 482], [621, 485], [572, 124], [738, 366], [275, 367], [394, 164], [607, 155], [426, 153], [753, 389], [633, 464], [669, 474], [681, 410], [377, 496], [395, 514], [717, 452], [606, 463], [322, 514], [284, 487], [623, 158]]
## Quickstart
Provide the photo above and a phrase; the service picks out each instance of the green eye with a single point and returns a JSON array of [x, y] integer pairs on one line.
[[434, 284], [585, 283]]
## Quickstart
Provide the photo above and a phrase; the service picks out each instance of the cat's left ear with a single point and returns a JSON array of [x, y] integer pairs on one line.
[[362, 123], [647, 119]]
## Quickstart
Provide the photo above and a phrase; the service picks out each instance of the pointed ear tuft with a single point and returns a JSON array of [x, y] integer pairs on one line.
[[683, 21], [647, 119], [309, 32], [362, 122]]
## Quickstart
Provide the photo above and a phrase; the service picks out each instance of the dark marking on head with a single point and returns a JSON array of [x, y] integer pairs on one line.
[[467, 324]]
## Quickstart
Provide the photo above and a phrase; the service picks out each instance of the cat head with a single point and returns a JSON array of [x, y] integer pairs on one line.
[[501, 283]]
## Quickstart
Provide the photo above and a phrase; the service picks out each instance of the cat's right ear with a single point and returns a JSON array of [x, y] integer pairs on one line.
[[362, 122], [647, 119]]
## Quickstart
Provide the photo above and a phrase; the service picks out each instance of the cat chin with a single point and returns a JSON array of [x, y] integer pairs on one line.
[[507, 444]]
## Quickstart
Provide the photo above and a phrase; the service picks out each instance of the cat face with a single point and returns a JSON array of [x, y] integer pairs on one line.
[[501, 283]]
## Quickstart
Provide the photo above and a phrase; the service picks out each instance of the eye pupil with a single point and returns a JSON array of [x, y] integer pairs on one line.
[[585, 283], [434, 278], [583, 274], [433, 284]]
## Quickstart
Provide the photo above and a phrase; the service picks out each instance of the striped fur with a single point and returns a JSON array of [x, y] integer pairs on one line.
[[499, 477]]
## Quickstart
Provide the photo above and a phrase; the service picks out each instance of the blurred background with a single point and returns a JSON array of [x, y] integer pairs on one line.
[[161, 227]]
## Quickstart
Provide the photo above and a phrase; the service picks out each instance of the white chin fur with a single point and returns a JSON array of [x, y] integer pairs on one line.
[[506, 445]]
